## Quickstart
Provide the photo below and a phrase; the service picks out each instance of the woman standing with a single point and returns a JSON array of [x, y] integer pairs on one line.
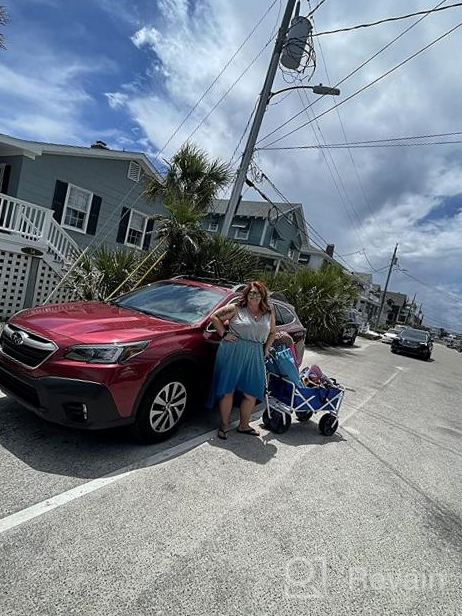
[[240, 361]]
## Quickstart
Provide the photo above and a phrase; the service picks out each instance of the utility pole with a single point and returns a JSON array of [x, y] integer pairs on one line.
[[393, 261], [260, 112], [410, 308]]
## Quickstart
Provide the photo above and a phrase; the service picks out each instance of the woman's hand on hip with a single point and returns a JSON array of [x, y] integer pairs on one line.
[[230, 337]]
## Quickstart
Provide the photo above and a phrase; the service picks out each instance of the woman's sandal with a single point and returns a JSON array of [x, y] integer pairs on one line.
[[223, 434], [249, 431]]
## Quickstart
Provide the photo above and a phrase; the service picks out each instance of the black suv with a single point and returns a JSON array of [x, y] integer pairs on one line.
[[413, 342]]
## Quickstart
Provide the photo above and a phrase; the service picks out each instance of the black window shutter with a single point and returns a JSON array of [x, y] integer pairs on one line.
[[5, 180], [147, 235], [94, 214], [123, 224], [59, 199]]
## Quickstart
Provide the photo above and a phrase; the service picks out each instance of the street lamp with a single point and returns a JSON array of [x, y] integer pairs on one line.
[[320, 89]]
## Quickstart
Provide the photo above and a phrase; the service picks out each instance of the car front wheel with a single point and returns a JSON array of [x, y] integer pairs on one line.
[[163, 407]]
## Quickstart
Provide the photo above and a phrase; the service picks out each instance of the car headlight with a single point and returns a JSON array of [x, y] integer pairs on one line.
[[105, 353]]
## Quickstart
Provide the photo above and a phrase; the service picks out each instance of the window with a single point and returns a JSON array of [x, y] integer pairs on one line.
[[77, 208], [290, 253], [136, 229], [213, 226], [134, 171], [304, 259], [282, 315], [173, 301], [241, 234]]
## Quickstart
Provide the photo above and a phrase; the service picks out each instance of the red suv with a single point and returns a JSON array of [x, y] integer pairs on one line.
[[141, 359]]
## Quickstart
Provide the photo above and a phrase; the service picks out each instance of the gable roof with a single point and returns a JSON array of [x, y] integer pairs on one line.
[[255, 209], [13, 146], [261, 209]]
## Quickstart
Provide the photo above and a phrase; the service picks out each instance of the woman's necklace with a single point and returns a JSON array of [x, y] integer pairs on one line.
[[256, 317]]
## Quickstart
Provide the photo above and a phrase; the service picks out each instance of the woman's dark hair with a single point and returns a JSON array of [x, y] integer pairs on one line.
[[264, 301]]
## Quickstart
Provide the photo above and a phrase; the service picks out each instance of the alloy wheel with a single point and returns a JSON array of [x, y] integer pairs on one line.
[[168, 407]]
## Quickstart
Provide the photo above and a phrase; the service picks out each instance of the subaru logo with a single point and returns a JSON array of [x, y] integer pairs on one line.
[[17, 338]]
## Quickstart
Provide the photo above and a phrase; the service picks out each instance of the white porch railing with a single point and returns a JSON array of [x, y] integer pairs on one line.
[[36, 226]]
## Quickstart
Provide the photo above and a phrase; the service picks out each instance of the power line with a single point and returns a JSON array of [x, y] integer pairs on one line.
[[220, 100], [308, 237], [357, 69], [316, 7], [207, 90], [345, 200], [454, 296], [243, 134], [388, 19], [356, 147], [353, 161], [399, 65], [389, 139]]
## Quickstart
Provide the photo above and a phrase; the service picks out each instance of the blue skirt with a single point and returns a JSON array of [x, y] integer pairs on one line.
[[240, 367]]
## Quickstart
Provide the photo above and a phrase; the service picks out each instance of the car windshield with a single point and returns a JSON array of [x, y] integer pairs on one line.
[[414, 334], [392, 331], [172, 301]]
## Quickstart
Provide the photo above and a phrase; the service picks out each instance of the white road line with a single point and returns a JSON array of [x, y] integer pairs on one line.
[[368, 399], [39, 509], [34, 511]]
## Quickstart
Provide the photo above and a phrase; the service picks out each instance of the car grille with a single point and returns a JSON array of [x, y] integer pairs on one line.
[[24, 347], [19, 388]]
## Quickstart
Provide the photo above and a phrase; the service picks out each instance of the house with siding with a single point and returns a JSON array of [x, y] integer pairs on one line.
[[57, 200], [275, 233]]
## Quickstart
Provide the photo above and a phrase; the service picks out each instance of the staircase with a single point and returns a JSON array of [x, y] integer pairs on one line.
[[28, 231], [29, 226]]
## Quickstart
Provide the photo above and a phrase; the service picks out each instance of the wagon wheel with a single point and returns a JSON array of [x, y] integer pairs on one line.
[[328, 424], [305, 416]]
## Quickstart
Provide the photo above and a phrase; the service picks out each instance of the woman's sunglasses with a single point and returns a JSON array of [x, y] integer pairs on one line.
[[254, 294]]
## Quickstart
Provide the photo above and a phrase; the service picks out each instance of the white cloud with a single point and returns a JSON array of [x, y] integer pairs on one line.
[[146, 36], [116, 99]]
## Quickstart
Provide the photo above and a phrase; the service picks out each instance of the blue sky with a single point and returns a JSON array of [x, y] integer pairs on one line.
[[128, 72]]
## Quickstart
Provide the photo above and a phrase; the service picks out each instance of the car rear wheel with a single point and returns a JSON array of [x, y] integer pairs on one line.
[[163, 407]]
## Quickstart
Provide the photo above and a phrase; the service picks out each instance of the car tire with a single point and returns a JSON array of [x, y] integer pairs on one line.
[[163, 407], [428, 356], [393, 350]]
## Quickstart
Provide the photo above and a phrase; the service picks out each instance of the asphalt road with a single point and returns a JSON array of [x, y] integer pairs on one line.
[[365, 522]]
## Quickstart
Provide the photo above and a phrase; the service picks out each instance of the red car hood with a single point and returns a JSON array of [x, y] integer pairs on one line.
[[92, 323]]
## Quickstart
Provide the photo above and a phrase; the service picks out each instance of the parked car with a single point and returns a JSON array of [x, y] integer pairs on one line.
[[390, 335], [139, 360], [350, 328], [413, 342]]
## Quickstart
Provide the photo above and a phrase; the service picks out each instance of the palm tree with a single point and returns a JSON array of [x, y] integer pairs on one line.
[[3, 22], [190, 185], [192, 180], [220, 257], [319, 296], [182, 234], [102, 272]]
